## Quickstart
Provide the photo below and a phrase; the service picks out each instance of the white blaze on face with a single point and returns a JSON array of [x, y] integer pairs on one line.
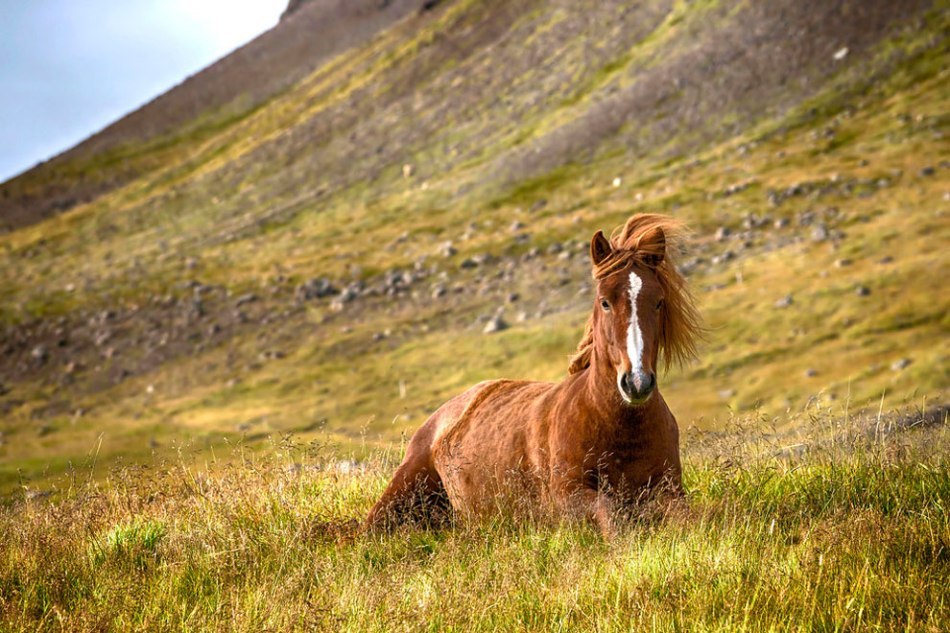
[[634, 336]]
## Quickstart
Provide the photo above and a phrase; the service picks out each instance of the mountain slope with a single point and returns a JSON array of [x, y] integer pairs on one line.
[[180, 302], [204, 104]]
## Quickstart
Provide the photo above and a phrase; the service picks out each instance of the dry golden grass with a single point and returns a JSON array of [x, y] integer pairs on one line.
[[841, 526]]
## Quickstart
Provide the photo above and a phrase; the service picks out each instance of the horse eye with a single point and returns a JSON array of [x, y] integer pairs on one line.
[[659, 304], [605, 305]]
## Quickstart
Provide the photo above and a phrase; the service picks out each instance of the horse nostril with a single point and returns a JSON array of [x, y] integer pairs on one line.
[[626, 383], [650, 383]]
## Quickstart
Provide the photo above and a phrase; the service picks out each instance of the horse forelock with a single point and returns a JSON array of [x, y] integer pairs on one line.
[[680, 323]]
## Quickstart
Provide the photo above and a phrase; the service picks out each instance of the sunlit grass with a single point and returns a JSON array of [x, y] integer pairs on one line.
[[841, 526]]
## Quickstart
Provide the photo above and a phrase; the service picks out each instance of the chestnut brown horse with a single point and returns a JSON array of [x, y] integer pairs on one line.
[[590, 444]]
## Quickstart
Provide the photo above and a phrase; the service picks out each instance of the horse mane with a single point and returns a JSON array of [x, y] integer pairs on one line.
[[680, 323]]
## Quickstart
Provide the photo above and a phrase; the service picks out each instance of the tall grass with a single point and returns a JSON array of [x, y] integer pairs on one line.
[[841, 527]]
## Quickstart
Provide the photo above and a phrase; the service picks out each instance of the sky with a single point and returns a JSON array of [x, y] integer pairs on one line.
[[68, 68]]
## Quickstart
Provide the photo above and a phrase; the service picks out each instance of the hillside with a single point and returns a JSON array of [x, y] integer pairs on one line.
[[310, 236]]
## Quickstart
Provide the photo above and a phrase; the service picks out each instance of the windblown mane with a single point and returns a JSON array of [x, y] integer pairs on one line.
[[680, 324]]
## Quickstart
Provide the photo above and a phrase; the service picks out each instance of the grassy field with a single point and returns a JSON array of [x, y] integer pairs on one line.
[[842, 525], [186, 443], [297, 373]]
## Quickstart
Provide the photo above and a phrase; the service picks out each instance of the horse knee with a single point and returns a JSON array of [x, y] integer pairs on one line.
[[415, 494]]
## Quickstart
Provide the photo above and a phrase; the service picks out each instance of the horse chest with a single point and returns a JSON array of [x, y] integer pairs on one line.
[[631, 459]]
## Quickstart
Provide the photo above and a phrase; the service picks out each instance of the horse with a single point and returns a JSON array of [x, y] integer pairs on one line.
[[590, 445]]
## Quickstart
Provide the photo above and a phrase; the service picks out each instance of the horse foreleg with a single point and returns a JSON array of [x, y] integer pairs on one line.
[[415, 492], [588, 504]]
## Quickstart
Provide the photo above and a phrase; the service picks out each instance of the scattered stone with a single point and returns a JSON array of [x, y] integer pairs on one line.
[[317, 288], [521, 317], [927, 171], [516, 226], [753, 221], [39, 354], [811, 373], [102, 338], [350, 293], [725, 394], [513, 297], [738, 187], [843, 263], [617, 182], [439, 290], [887, 259], [900, 364], [468, 263], [271, 355], [396, 281], [555, 248], [784, 302], [482, 259], [447, 249], [819, 233], [723, 258], [862, 291], [805, 218], [722, 233], [245, 299], [495, 324]]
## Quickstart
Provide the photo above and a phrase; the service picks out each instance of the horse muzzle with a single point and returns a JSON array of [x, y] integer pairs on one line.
[[636, 387]]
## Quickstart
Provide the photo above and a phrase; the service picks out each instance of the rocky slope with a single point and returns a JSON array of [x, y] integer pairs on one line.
[[375, 204]]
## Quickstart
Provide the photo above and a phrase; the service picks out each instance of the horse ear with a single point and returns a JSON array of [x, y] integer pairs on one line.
[[600, 248], [652, 247]]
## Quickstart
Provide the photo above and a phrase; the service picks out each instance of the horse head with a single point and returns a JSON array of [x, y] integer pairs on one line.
[[643, 308], [627, 314]]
